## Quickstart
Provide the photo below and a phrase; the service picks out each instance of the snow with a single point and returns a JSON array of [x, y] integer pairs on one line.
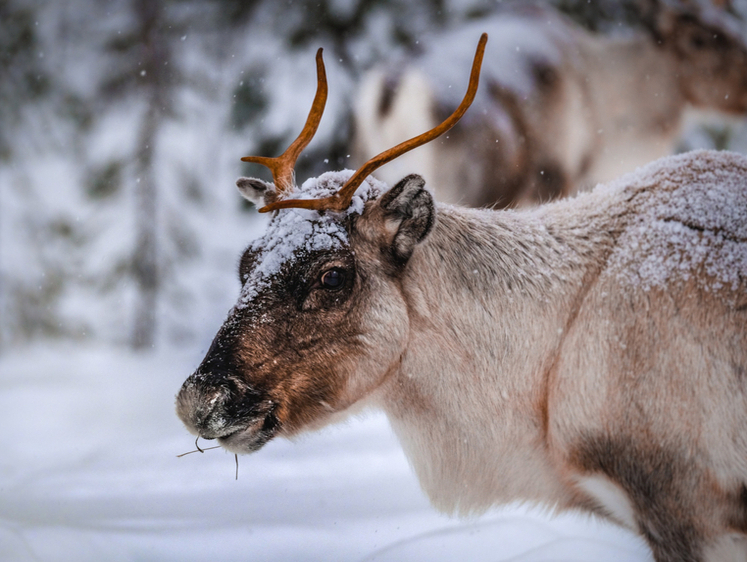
[[89, 472], [695, 222]]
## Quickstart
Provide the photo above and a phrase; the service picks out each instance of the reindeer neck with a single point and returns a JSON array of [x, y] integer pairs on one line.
[[491, 295], [499, 266]]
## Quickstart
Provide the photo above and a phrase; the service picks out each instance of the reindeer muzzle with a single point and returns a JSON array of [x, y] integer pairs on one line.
[[220, 406]]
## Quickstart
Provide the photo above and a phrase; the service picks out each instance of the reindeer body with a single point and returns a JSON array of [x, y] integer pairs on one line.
[[563, 108], [588, 354], [549, 361]]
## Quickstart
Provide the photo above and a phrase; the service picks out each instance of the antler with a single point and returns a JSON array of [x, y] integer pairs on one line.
[[282, 166], [341, 200]]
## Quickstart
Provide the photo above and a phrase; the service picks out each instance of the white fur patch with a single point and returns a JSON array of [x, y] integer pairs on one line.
[[610, 497]]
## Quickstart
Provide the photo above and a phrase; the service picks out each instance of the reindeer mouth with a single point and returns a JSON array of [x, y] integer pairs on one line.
[[253, 436]]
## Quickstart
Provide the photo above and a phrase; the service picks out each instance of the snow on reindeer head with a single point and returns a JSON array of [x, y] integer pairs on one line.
[[319, 322]]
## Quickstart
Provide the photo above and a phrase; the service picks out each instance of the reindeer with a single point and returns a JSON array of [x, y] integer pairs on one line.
[[563, 109], [587, 354]]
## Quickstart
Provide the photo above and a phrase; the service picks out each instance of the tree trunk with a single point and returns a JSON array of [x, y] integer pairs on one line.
[[146, 256], [145, 259]]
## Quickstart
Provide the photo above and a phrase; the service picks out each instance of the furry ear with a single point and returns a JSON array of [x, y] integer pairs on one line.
[[257, 191], [409, 209]]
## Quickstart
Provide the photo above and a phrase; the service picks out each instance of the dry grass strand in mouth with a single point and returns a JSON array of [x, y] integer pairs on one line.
[[197, 449], [200, 450]]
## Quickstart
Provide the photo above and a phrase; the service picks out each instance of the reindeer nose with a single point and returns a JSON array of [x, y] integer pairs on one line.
[[200, 406]]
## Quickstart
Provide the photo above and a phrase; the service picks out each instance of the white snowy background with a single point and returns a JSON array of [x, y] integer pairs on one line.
[[88, 453]]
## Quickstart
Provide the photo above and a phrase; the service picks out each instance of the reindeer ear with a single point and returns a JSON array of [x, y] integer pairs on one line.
[[409, 211], [257, 191]]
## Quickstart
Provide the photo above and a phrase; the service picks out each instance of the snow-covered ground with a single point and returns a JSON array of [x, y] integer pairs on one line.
[[89, 472]]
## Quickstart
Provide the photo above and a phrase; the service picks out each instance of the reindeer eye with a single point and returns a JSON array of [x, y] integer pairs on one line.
[[332, 279]]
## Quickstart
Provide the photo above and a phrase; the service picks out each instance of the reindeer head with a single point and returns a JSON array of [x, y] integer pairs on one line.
[[710, 51], [320, 321]]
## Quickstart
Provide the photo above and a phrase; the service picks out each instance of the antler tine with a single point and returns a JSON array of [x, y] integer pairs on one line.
[[282, 166], [341, 200]]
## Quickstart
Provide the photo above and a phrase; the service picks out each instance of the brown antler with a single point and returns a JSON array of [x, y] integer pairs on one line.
[[282, 166], [340, 201]]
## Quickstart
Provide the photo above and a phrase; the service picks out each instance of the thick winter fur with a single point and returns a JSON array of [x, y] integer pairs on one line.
[[588, 354], [560, 108]]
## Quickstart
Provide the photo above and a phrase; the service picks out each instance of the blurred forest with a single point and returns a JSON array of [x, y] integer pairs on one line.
[[121, 127]]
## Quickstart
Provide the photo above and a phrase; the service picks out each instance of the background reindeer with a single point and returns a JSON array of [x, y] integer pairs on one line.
[[561, 108], [588, 354]]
